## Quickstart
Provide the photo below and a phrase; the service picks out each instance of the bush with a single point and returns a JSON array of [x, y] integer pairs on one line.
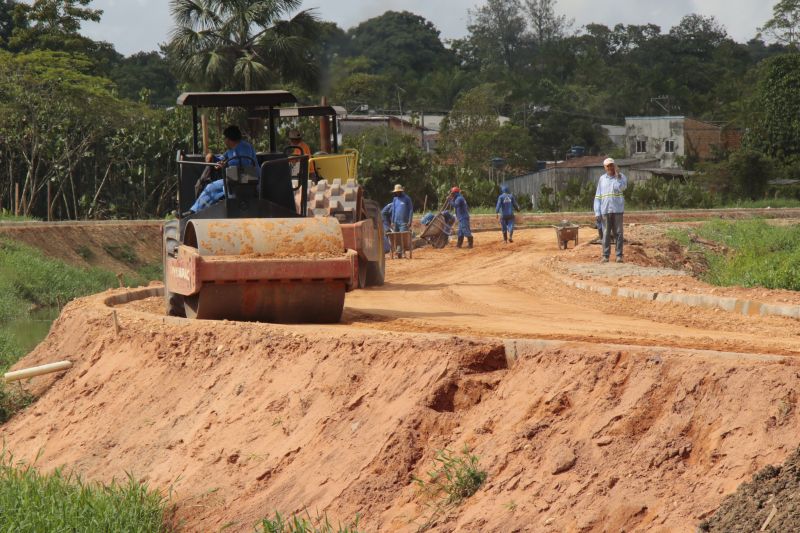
[[31, 501], [300, 524], [658, 193], [576, 195], [744, 175], [389, 157]]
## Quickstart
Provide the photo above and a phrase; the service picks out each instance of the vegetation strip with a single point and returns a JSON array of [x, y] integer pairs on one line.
[[32, 501]]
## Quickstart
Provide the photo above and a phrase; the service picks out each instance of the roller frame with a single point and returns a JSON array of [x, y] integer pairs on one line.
[[188, 271]]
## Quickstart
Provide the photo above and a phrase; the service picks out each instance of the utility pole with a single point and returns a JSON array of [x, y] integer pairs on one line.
[[422, 124]]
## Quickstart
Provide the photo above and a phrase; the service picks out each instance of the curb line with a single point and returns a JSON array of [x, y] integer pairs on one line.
[[731, 305]]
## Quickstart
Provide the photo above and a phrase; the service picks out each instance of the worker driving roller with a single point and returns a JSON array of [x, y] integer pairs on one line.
[[239, 153]]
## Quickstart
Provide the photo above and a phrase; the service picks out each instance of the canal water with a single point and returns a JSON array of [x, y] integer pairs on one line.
[[26, 332]]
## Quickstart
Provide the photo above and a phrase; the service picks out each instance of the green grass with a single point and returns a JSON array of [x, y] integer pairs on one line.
[[32, 501], [454, 477], [6, 216], [29, 279], [759, 254], [304, 524], [123, 253]]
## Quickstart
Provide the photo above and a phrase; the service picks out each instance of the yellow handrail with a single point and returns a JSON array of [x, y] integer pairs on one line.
[[336, 166]]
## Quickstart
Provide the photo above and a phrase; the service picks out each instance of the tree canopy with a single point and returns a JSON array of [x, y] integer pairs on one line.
[[242, 45], [98, 128]]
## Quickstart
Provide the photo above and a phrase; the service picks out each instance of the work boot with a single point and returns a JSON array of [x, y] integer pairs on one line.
[[619, 259], [460, 241], [469, 242], [505, 237], [510, 237]]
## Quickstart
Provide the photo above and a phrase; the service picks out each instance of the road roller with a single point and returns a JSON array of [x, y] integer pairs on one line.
[[282, 245]]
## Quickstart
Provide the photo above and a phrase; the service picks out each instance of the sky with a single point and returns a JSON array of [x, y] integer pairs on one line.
[[140, 25]]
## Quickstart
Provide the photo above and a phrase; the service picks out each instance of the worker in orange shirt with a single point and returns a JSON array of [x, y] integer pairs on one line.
[[296, 139]]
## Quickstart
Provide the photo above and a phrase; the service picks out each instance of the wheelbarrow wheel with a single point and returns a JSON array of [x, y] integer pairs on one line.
[[440, 241]]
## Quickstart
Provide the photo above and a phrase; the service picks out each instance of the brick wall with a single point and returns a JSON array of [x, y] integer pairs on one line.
[[702, 139]]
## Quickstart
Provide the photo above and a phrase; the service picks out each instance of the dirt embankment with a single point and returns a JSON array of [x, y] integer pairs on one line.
[[120, 247], [244, 419], [770, 502]]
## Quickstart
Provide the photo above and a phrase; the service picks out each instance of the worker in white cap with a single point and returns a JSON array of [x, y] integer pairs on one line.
[[609, 206]]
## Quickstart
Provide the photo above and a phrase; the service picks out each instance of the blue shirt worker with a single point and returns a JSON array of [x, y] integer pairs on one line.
[[461, 208], [506, 205], [240, 153], [386, 215], [402, 209], [609, 206]]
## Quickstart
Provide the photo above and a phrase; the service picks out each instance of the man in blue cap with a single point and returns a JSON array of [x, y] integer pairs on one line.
[[506, 204]]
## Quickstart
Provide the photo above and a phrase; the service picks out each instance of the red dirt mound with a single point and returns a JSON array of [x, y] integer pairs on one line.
[[245, 419]]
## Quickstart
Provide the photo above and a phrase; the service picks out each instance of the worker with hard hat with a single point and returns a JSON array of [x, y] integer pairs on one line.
[[609, 206], [459, 203], [296, 140], [506, 205]]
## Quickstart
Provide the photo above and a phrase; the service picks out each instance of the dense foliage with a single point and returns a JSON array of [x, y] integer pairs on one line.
[[98, 131]]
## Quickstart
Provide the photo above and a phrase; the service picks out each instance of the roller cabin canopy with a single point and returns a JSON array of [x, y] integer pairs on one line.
[[259, 104], [245, 99]]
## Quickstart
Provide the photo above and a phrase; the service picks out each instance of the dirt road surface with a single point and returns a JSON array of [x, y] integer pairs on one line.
[[507, 290], [589, 413]]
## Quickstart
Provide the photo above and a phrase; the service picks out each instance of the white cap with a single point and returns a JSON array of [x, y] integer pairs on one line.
[[609, 161]]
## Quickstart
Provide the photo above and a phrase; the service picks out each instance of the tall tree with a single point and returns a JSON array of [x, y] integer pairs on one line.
[[401, 44], [546, 25], [52, 25], [242, 44], [784, 26], [497, 34], [774, 129], [145, 76], [7, 8]]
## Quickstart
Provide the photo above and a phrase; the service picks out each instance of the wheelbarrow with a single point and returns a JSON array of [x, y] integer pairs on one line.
[[437, 232], [566, 233]]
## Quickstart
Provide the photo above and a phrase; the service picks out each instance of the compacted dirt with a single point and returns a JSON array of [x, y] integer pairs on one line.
[[588, 413]]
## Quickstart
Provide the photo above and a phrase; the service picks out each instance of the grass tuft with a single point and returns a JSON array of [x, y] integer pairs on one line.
[[304, 524], [31, 501], [454, 477]]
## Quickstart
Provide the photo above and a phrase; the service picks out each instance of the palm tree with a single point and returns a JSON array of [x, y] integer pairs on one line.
[[242, 44]]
